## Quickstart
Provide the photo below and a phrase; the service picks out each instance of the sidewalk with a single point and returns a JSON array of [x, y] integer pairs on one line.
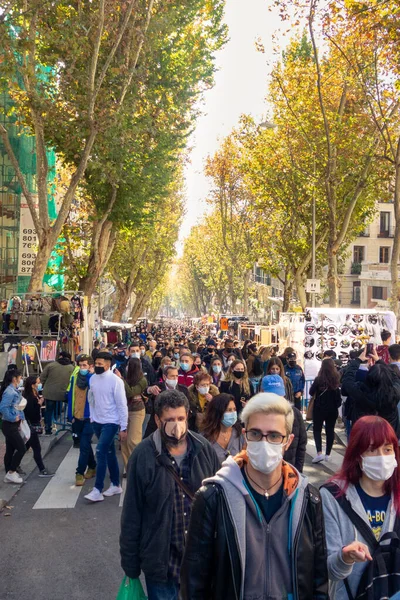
[[8, 490]]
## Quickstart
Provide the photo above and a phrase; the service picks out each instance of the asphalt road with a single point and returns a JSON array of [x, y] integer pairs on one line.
[[68, 553]]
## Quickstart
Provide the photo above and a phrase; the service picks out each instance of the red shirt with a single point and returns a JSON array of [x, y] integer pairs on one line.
[[383, 353], [186, 377]]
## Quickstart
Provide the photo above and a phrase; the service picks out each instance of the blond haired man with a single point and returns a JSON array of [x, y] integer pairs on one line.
[[257, 527]]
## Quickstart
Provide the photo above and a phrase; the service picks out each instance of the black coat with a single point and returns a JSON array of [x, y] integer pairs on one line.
[[297, 450], [148, 506], [231, 387], [211, 568], [367, 400]]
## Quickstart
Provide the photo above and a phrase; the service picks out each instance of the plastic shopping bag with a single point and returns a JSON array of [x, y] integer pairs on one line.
[[131, 589], [24, 431]]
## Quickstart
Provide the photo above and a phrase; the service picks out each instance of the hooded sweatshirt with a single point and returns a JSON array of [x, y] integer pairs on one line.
[[340, 532], [266, 575]]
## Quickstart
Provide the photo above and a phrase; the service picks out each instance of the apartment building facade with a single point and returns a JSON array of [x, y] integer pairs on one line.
[[366, 281]]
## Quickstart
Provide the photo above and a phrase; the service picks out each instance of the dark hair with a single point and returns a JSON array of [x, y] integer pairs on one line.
[[385, 335], [167, 369], [84, 358], [394, 351], [64, 358], [134, 371], [105, 356], [170, 399], [8, 377], [381, 378], [213, 416], [330, 354], [135, 344], [29, 383], [328, 376], [275, 361]]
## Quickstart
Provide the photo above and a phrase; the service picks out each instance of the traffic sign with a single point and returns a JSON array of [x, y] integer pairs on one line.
[[313, 286]]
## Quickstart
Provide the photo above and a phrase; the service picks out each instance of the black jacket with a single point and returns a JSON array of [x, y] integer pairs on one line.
[[297, 450], [367, 400], [211, 568], [147, 513], [231, 387]]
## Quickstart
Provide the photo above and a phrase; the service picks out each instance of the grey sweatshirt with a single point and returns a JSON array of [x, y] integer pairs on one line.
[[275, 579], [340, 532]]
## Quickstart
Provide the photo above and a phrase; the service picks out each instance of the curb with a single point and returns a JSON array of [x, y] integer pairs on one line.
[[12, 490]]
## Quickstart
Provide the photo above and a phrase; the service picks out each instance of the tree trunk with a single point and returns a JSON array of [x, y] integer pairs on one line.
[[123, 299], [301, 292], [287, 292], [102, 247], [247, 277], [139, 305], [333, 280], [394, 271], [45, 249]]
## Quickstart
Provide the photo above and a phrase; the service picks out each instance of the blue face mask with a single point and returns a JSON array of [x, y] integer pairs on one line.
[[229, 419], [217, 369], [40, 387], [84, 371], [176, 355], [185, 366]]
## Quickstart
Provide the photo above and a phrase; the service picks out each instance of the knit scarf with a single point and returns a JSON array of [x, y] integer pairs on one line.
[[81, 381]]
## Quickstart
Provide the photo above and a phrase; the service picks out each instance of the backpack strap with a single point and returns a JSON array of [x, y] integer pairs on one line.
[[357, 521]]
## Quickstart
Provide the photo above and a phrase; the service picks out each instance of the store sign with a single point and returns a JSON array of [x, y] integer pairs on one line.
[[28, 242]]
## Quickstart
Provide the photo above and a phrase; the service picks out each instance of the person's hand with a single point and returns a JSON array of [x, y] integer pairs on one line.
[[355, 552], [117, 373], [17, 419], [40, 401], [363, 355], [374, 355], [123, 435], [154, 390], [297, 395], [243, 401], [208, 397]]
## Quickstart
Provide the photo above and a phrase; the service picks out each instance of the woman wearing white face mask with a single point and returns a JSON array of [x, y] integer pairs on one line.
[[361, 503], [222, 428], [200, 393]]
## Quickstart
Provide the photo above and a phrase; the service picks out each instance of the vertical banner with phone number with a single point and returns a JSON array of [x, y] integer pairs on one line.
[[28, 242]]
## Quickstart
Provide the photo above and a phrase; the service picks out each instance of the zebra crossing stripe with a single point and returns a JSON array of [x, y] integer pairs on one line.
[[61, 491]]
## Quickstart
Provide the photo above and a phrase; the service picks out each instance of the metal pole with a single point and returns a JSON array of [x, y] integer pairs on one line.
[[313, 233]]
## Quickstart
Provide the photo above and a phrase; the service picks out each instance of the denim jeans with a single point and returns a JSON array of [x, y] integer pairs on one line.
[[162, 591], [86, 456], [53, 408], [105, 454]]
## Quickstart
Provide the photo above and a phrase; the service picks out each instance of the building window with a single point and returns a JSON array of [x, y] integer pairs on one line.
[[356, 299], [384, 227], [378, 293], [358, 254], [384, 254]]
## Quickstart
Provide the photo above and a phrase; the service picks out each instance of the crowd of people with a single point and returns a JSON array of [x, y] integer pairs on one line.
[[213, 441]]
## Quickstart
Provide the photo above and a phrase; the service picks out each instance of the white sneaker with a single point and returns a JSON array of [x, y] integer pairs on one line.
[[13, 478], [94, 496], [327, 457], [113, 490], [317, 459]]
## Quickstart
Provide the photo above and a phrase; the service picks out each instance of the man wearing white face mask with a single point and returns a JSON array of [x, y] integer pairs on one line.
[[257, 526], [170, 382], [164, 472], [362, 510]]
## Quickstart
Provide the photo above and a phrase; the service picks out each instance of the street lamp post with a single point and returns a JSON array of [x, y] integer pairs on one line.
[[270, 125]]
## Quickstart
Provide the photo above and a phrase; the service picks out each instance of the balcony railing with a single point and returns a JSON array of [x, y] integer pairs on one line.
[[356, 268], [386, 233]]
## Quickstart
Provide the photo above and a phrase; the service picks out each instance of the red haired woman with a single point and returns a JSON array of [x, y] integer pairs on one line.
[[368, 485]]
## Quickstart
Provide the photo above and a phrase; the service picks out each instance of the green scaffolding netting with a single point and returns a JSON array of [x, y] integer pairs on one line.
[[24, 147]]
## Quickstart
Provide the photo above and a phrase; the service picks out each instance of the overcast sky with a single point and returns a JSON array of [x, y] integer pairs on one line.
[[240, 87]]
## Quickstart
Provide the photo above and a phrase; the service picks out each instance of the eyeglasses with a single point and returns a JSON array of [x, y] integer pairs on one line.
[[273, 437]]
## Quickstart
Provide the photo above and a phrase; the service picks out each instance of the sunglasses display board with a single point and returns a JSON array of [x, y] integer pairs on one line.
[[341, 330]]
